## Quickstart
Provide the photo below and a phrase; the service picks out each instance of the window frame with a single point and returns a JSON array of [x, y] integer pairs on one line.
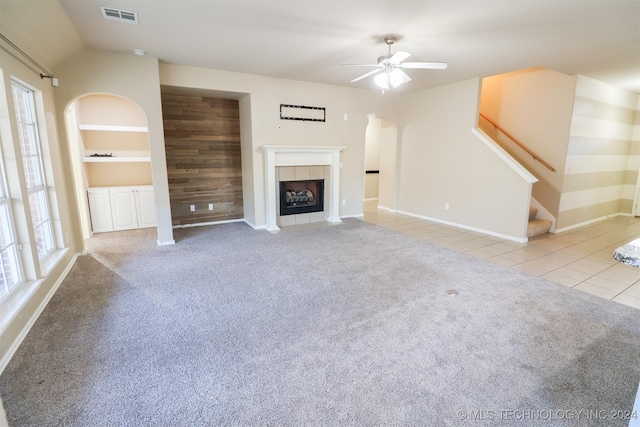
[[44, 228], [12, 246]]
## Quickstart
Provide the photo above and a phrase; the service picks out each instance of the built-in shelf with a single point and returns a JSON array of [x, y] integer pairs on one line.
[[121, 159], [113, 128]]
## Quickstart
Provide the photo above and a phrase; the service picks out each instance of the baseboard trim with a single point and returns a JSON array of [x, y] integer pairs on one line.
[[591, 221], [165, 242], [360, 215], [255, 227], [465, 227], [201, 224], [34, 317]]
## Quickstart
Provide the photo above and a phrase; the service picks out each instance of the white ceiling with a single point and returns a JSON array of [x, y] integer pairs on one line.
[[307, 39]]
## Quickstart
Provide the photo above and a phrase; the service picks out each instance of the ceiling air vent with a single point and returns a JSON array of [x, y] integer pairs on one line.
[[119, 15]]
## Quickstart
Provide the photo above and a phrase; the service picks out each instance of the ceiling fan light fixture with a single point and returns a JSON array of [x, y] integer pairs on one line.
[[388, 72], [382, 80], [395, 78]]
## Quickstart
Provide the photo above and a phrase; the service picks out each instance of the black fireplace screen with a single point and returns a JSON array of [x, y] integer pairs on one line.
[[301, 196]]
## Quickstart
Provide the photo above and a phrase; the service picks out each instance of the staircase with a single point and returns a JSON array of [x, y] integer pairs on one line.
[[537, 226]]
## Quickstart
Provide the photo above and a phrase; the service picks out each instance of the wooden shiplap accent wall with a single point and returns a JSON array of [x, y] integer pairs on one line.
[[202, 143], [603, 156]]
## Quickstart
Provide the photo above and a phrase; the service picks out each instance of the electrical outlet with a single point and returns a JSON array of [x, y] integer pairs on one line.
[[193, 208], [446, 206], [344, 202], [210, 206]]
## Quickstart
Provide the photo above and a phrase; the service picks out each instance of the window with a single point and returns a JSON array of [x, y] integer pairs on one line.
[[23, 100], [10, 273]]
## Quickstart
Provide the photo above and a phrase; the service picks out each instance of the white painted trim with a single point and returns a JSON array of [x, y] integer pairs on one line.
[[120, 159], [113, 128], [32, 320], [166, 242], [506, 157], [200, 224], [359, 215], [370, 200], [278, 155], [466, 227], [591, 221], [252, 225], [636, 194]]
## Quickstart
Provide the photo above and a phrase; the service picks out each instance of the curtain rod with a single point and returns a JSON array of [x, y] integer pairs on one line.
[[44, 73]]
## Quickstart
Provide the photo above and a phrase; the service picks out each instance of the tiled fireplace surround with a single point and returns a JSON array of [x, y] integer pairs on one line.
[[299, 173], [292, 163]]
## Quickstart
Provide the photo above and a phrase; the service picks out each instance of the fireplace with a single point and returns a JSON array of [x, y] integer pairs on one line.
[[287, 163], [297, 197]]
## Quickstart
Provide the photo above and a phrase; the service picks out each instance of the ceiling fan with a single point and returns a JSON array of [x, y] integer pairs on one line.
[[391, 67]]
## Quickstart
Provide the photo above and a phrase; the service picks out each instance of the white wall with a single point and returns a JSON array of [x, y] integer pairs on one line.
[[443, 162], [261, 105]]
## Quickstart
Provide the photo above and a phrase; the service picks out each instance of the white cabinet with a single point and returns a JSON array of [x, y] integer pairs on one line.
[[121, 208], [146, 206], [100, 208]]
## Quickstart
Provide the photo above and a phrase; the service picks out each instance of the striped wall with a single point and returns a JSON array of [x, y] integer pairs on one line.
[[603, 155]]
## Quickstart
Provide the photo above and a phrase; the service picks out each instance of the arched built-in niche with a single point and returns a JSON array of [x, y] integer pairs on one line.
[[112, 165]]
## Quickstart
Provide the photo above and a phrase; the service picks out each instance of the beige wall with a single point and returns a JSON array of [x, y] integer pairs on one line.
[[261, 104], [104, 109], [135, 78], [535, 107], [603, 154], [443, 162]]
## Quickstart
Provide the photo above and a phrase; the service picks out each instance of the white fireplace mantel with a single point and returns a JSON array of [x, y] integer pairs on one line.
[[276, 155]]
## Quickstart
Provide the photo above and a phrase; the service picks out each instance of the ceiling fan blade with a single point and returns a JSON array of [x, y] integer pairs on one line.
[[398, 57], [359, 65], [425, 65], [370, 73]]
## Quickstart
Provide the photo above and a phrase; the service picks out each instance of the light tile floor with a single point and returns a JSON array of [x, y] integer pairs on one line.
[[581, 258]]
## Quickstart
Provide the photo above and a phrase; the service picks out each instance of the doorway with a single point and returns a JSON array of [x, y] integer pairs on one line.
[[381, 162]]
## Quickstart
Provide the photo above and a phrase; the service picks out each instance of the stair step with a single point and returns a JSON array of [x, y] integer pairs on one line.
[[533, 212], [536, 227]]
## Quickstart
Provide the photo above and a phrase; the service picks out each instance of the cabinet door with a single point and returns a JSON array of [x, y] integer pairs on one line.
[[123, 209], [100, 210], [146, 208]]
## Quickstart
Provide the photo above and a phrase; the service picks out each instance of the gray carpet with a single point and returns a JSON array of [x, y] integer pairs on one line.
[[316, 325]]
